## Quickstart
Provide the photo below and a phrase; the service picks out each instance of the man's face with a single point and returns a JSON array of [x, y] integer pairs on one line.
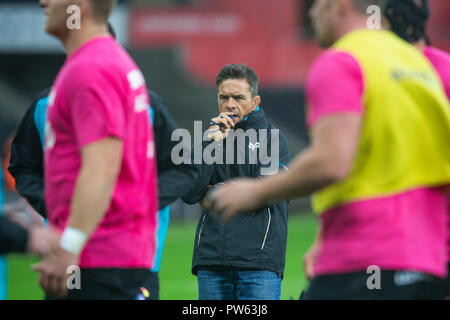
[[324, 18], [234, 96], [56, 11]]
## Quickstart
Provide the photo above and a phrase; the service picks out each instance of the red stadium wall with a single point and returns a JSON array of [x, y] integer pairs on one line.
[[263, 34], [439, 24]]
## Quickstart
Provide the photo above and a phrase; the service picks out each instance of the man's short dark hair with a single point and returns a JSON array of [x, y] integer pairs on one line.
[[102, 9], [239, 71], [362, 5]]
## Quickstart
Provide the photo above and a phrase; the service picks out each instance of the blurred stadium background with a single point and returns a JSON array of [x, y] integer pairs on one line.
[[180, 46]]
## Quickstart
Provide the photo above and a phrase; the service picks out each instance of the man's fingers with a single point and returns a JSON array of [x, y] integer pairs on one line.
[[223, 211], [224, 120], [227, 123], [63, 291], [53, 284], [210, 198], [58, 286], [308, 266], [37, 267], [223, 123], [44, 281], [230, 122], [307, 271], [225, 215]]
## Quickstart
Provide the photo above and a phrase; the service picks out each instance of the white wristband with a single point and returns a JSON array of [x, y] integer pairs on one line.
[[73, 240]]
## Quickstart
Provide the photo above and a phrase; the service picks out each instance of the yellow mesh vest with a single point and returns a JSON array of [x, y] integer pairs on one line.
[[405, 137]]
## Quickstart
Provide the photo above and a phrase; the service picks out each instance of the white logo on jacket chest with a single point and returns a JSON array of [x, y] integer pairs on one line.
[[253, 146]]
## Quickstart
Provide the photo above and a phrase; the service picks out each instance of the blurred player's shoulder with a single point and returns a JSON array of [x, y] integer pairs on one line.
[[101, 60], [331, 65], [101, 52], [437, 54], [441, 62], [334, 58]]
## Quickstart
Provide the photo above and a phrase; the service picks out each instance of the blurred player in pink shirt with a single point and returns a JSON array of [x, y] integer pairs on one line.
[[100, 172], [408, 19]]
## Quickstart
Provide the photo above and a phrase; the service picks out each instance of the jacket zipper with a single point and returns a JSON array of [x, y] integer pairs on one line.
[[267, 230], [201, 229]]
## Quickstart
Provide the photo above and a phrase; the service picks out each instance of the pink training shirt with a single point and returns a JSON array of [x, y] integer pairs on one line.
[[441, 62], [101, 93], [405, 231]]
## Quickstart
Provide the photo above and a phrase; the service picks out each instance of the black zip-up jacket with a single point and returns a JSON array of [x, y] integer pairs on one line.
[[252, 240], [27, 159], [173, 180], [26, 164], [13, 237]]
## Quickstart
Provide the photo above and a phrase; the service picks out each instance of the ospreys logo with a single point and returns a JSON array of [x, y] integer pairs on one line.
[[253, 146]]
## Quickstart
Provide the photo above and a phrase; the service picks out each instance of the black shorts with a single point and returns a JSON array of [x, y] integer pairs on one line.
[[392, 285], [446, 285], [115, 284]]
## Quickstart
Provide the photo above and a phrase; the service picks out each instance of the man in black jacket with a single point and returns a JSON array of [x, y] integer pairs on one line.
[[245, 258], [26, 166]]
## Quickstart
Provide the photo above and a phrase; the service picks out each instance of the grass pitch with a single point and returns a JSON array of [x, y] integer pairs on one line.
[[176, 280]]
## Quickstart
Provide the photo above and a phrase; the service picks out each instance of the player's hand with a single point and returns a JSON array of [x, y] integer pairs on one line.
[[236, 196], [220, 125], [309, 260], [53, 271], [42, 241], [204, 202]]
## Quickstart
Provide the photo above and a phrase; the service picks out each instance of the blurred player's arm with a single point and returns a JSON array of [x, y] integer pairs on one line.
[[309, 259], [327, 161], [35, 240], [26, 164]]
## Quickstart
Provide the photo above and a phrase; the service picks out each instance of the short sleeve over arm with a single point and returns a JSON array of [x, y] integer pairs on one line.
[[335, 85], [97, 110]]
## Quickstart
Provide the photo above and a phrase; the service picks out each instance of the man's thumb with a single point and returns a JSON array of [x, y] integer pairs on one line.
[[36, 267]]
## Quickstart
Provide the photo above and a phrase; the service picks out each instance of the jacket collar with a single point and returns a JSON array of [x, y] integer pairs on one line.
[[256, 120]]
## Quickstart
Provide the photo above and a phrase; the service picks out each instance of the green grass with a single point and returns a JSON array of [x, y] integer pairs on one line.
[[22, 281], [176, 279]]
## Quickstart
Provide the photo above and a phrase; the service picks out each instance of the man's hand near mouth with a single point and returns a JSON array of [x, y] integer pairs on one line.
[[220, 125]]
